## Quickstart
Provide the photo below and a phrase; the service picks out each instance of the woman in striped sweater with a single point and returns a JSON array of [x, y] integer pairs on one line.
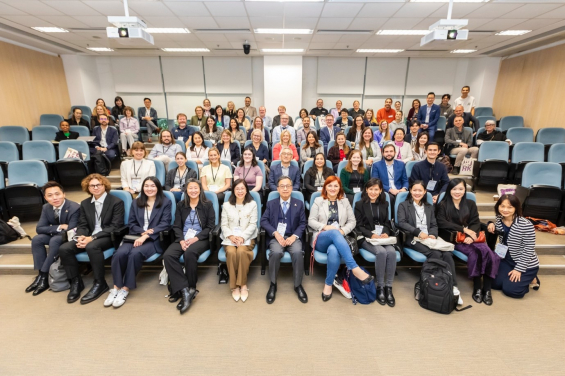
[[517, 239]]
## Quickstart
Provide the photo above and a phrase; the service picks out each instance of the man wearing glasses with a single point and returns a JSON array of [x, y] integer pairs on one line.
[[100, 215], [285, 168], [105, 139], [284, 222]]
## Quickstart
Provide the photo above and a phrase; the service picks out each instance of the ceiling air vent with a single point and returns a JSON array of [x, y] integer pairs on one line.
[[223, 31]]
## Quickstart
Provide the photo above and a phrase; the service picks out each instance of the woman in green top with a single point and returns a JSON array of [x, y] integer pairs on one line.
[[354, 175], [65, 132]]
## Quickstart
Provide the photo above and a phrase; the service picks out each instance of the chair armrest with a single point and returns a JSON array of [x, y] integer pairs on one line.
[[215, 235], [447, 235], [118, 235], [262, 249]]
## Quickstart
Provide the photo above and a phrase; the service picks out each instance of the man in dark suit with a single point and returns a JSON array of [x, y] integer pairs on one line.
[[285, 168], [284, 222], [57, 216], [392, 172], [429, 115], [105, 139], [328, 132], [467, 120], [100, 215], [148, 117]]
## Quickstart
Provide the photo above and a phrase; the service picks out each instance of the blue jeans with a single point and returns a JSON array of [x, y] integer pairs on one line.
[[333, 243]]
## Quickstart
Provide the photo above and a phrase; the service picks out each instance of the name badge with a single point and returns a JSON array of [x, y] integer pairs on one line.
[[335, 224], [431, 185], [181, 138], [501, 250], [356, 189], [190, 233], [458, 141], [237, 232], [213, 188], [281, 228], [257, 158], [378, 230], [136, 183], [423, 228]]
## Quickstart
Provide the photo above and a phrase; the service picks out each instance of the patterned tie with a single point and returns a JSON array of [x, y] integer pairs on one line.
[[57, 211], [284, 207]]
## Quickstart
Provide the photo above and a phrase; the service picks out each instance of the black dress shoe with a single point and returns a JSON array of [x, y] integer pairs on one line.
[[487, 298], [173, 298], [224, 276], [34, 284], [77, 285], [41, 286], [478, 296], [325, 297], [272, 293], [389, 297], [98, 288], [187, 296], [381, 296], [368, 280], [301, 294]]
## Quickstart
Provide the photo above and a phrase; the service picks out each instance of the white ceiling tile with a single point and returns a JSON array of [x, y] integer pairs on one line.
[[405, 23], [163, 22], [476, 22], [535, 24], [295, 44], [240, 45], [199, 22], [109, 8], [232, 22], [240, 37], [188, 9], [73, 8], [63, 21], [260, 9], [269, 44], [29, 21], [6, 10], [293, 9], [367, 23], [460, 10], [35, 8], [325, 38], [299, 23], [379, 9], [228, 9], [351, 45], [182, 37], [266, 22], [530, 10], [269, 38], [94, 21], [150, 9], [213, 45], [212, 37], [500, 24], [321, 45], [348, 38], [493, 10], [341, 9], [334, 23], [556, 13], [417, 9]]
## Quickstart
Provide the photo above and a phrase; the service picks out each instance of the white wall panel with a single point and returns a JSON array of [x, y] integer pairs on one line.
[[428, 74], [137, 75], [332, 71], [136, 100], [283, 83], [183, 74], [228, 75], [385, 76]]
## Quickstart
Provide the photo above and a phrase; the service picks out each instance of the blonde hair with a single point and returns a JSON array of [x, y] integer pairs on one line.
[[261, 133], [289, 138], [387, 133]]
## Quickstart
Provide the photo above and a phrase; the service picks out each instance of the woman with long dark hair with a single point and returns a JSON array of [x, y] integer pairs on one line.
[[456, 213], [249, 170], [315, 176], [354, 175], [119, 108]]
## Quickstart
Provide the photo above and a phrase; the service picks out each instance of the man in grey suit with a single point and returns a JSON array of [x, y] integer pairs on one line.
[[57, 216]]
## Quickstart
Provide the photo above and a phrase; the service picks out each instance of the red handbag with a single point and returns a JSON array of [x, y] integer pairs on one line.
[[461, 237]]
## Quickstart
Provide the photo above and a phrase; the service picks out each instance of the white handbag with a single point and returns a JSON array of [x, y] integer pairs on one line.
[[437, 244], [391, 240], [467, 166]]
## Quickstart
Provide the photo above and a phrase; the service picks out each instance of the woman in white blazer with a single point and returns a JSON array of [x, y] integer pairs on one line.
[[331, 218], [403, 148], [134, 171], [239, 231], [370, 150]]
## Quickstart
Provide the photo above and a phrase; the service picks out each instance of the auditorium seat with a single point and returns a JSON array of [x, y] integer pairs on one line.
[[41, 151], [46, 132], [23, 195], [81, 130], [71, 171], [85, 110], [414, 255], [340, 166], [522, 154], [556, 154], [313, 196], [549, 136], [517, 135], [305, 167], [545, 196], [409, 166], [14, 133], [508, 122], [332, 143], [8, 153], [492, 167], [160, 172], [483, 111], [182, 145], [483, 119], [189, 163], [50, 119]]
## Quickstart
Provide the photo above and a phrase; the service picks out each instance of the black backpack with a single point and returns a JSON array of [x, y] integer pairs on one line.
[[102, 164], [434, 290], [7, 233]]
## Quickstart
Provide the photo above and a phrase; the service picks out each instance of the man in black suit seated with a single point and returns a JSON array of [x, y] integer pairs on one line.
[[100, 215], [57, 216]]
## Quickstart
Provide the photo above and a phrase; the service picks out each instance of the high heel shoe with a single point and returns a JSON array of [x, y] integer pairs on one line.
[[325, 297], [537, 284], [368, 280]]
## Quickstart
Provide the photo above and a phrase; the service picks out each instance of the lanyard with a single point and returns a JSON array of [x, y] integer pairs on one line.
[[320, 177], [355, 173], [197, 151], [225, 152], [96, 213], [147, 215], [194, 217], [166, 151], [420, 218], [199, 122], [378, 213], [217, 172], [248, 171], [181, 178], [139, 168]]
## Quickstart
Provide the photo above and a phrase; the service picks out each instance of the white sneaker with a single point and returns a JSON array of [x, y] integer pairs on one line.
[[121, 298], [110, 299], [458, 293], [342, 289]]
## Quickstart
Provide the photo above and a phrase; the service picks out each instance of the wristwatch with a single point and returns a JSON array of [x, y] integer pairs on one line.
[[93, 237]]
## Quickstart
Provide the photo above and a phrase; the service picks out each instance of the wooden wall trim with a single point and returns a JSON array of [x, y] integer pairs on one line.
[[31, 83]]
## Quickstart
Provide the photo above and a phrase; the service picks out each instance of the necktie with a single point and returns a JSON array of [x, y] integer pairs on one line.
[[57, 211], [284, 207]]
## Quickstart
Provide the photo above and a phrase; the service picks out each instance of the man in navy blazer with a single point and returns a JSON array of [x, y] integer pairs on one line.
[[429, 115], [328, 132], [105, 139], [57, 216], [392, 172], [285, 168], [284, 222]]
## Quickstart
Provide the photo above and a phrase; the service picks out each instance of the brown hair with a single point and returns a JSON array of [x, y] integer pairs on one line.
[[329, 180], [345, 147], [138, 145], [128, 108], [161, 136], [86, 181], [181, 114], [349, 166]]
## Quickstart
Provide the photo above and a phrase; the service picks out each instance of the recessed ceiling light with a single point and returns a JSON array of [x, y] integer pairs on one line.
[[282, 49], [513, 32], [447, 1], [100, 49], [185, 49], [290, 1], [50, 29], [167, 30], [463, 51], [283, 31], [403, 32], [378, 51]]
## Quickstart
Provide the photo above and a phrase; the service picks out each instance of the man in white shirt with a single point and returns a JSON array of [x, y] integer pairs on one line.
[[277, 119], [283, 127], [467, 101], [165, 150], [267, 121], [248, 109]]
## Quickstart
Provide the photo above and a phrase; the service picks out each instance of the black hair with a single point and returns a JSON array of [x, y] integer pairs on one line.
[[513, 200], [446, 95], [236, 123], [216, 111], [463, 209], [192, 145], [202, 197], [247, 97], [52, 184], [142, 198], [431, 93], [466, 86], [214, 127], [416, 182], [147, 99], [246, 199], [387, 145], [344, 110], [253, 160], [283, 177], [326, 171], [123, 104], [432, 144], [370, 183], [398, 129]]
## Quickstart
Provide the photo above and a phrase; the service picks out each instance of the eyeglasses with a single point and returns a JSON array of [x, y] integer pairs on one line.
[[285, 186], [95, 186]]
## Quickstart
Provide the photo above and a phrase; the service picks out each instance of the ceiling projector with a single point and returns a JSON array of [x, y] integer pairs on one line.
[[128, 30], [446, 30]]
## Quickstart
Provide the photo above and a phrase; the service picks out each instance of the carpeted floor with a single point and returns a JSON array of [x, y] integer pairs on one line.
[[46, 336]]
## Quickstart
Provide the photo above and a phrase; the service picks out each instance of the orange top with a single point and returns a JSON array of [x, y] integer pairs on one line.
[[383, 114]]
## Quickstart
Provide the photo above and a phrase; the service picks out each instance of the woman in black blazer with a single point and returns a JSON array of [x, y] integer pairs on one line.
[[194, 219], [65, 132], [177, 177], [229, 150], [150, 214], [77, 119], [417, 218], [316, 176], [456, 213], [371, 213]]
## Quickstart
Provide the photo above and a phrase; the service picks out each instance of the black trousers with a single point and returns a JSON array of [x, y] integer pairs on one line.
[[438, 255], [189, 277], [95, 250]]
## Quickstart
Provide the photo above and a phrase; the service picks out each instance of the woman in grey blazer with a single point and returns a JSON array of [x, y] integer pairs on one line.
[[177, 177], [331, 218], [311, 148], [417, 218], [370, 149]]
